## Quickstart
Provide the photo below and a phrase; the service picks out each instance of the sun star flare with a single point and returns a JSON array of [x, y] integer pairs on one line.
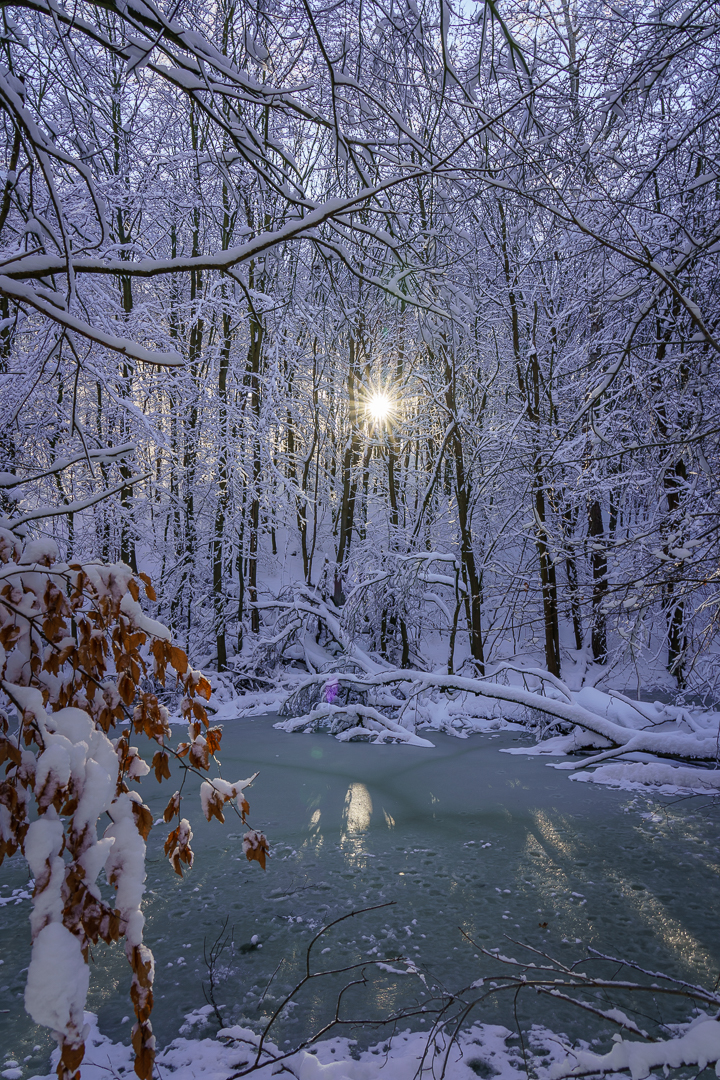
[[379, 406]]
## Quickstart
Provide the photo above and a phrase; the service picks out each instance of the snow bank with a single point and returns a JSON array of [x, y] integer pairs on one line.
[[669, 779], [481, 1050], [484, 1045]]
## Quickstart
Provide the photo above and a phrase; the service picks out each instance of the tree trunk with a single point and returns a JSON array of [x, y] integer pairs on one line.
[[463, 499], [548, 581], [351, 455], [569, 520], [254, 362], [599, 565], [218, 553]]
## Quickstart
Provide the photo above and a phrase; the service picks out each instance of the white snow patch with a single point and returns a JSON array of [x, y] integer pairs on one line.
[[57, 980], [670, 779], [219, 1058], [700, 1045]]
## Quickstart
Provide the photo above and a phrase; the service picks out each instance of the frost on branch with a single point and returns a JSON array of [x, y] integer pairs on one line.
[[74, 647]]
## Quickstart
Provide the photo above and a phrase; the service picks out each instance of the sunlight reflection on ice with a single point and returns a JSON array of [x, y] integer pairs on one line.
[[551, 835], [647, 907], [689, 950], [357, 813], [358, 810]]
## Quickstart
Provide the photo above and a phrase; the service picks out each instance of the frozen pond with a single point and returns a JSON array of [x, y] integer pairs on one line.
[[457, 836]]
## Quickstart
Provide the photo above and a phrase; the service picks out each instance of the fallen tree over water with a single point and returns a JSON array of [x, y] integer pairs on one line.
[[356, 694], [404, 685]]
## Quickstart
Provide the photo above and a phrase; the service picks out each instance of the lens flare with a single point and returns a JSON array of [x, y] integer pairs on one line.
[[379, 406]]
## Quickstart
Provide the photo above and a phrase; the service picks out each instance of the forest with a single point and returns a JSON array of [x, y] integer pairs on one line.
[[298, 297], [358, 364]]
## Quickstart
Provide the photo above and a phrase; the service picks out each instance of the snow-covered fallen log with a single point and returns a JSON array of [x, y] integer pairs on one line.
[[631, 732], [356, 694], [699, 1046], [369, 721]]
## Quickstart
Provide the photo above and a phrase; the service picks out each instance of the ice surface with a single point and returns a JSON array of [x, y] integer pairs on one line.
[[355, 824]]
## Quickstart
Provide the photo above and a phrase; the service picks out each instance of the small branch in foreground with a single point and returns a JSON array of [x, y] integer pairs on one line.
[[216, 950]]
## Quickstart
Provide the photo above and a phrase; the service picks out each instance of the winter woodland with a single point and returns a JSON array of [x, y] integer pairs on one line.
[[378, 344]]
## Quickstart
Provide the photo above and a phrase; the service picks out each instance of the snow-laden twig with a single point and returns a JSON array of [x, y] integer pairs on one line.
[[104, 454], [698, 1043], [74, 507]]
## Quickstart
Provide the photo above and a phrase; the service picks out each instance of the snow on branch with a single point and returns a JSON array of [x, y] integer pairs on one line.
[[69, 508], [560, 705], [24, 294], [75, 650], [103, 454]]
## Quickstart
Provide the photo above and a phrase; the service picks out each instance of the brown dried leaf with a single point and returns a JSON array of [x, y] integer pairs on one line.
[[71, 1059], [9, 752], [178, 659], [177, 846], [126, 688], [199, 754], [203, 688], [213, 736], [143, 1045], [149, 591], [143, 819], [8, 636], [172, 808], [161, 766], [213, 807], [256, 847], [159, 649], [199, 712]]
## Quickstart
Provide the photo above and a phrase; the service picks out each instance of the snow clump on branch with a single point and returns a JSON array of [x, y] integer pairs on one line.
[[74, 647]]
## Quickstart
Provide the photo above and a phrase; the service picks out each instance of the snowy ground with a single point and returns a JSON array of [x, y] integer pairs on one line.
[[483, 1050], [232, 1050]]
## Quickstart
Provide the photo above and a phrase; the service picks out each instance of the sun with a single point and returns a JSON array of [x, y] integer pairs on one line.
[[379, 406]]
